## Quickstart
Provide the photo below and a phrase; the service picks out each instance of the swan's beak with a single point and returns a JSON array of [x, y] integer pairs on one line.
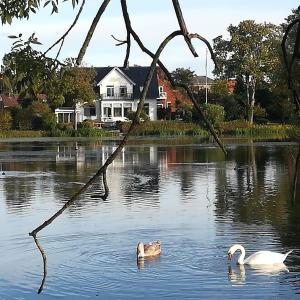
[[229, 255]]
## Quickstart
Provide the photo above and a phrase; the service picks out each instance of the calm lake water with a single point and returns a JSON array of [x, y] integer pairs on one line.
[[187, 195]]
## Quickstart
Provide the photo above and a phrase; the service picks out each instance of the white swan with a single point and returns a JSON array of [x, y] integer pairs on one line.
[[257, 258]]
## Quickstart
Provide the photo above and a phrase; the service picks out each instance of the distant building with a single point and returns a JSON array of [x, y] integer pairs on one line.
[[199, 83]]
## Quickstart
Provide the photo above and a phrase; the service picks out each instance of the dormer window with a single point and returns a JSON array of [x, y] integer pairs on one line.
[[110, 91]]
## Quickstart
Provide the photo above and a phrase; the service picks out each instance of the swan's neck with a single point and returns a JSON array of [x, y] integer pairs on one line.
[[242, 255]]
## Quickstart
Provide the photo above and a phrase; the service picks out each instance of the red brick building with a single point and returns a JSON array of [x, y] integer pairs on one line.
[[167, 94]]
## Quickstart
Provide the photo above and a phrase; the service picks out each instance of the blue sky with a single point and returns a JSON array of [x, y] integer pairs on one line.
[[153, 20]]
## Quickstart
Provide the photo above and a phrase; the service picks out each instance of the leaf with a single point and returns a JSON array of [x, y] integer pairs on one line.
[[46, 3], [12, 36], [36, 42]]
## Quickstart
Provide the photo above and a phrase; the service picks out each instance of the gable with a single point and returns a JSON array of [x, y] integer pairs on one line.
[[137, 75], [115, 75]]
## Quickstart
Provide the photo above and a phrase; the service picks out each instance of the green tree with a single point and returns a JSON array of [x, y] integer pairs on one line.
[[183, 76], [249, 54]]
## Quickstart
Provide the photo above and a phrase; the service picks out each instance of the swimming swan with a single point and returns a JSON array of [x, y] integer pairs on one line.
[[148, 250], [257, 258]]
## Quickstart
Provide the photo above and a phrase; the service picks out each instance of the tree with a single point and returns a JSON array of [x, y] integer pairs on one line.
[[249, 54], [183, 76]]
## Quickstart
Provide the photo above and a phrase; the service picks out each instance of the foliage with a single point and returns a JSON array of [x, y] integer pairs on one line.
[[248, 54], [22, 8], [214, 113], [245, 128], [5, 120], [25, 69], [183, 76], [143, 116], [82, 132], [165, 128], [219, 89]]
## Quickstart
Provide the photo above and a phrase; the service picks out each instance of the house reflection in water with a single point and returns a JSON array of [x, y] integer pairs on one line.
[[72, 153]]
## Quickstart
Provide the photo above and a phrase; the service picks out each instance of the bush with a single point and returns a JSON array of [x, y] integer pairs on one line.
[[214, 113], [5, 120], [49, 121]]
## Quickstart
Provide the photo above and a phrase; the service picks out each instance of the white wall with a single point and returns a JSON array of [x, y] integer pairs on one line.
[[116, 79]]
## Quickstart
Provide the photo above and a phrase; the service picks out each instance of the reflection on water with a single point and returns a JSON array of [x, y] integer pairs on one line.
[[188, 196], [237, 274]]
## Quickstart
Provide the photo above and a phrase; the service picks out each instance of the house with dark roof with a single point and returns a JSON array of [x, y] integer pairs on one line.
[[201, 83], [120, 90]]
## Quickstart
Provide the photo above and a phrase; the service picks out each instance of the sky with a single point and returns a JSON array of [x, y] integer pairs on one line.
[[152, 20]]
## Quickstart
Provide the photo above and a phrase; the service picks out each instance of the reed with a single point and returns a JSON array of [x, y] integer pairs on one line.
[[165, 129], [244, 128]]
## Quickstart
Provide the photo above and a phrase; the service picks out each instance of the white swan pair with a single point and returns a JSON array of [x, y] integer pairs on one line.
[[257, 258]]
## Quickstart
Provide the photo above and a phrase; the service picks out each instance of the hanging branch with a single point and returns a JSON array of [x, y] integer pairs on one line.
[[167, 73], [295, 177], [44, 263], [91, 32], [62, 39], [183, 27]]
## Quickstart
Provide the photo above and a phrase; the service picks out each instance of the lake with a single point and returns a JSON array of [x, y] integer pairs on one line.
[[184, 193]]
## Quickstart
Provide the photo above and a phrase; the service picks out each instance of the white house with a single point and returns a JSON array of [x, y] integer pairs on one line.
[[120, 90]]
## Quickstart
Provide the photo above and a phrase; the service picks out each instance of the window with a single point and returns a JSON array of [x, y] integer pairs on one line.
[[160, 89], [107, 111], [169, 104], [123, 91], [110, 91], [89, 111], [117, 110], [146, 108], [127, 109]]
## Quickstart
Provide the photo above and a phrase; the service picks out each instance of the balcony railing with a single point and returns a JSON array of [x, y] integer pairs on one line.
[[115, 96]]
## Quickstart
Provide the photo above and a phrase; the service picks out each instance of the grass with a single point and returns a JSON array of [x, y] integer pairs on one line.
[[244, 128], [165, 129], [22, 133]]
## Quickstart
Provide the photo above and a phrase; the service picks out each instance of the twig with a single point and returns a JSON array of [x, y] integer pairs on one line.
[[91, 31], [67, 32], [44, 262]]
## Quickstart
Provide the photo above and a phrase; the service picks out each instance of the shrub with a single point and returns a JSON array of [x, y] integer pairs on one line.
[[5, 120], [214, 113]]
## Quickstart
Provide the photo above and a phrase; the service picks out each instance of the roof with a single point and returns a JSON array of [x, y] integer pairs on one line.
[[201, 80], [9, 101], [137, 74]]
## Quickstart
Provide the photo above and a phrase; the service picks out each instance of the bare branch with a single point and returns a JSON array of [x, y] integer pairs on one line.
[[44, 262], [183, 27], [120, 41], [91, 32], [67, 32], [190, 94], [128, 26], [204, 40]]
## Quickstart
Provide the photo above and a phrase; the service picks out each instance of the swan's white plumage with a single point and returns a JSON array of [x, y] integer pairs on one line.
[[258, 258]]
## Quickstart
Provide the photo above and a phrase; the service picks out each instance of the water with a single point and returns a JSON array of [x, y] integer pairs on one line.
[[187, 196]]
